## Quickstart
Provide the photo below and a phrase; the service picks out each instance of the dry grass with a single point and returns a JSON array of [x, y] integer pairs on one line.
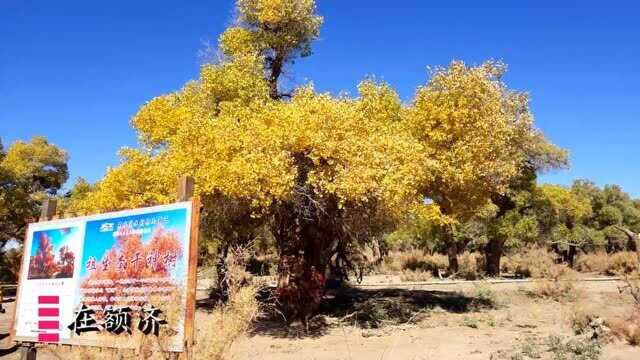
[[533, 262], [415, 260], [593, 263], [469, 266], [627, 329], [219, 329], [559, 285], [625, 262], [620, 263], [413, 276]]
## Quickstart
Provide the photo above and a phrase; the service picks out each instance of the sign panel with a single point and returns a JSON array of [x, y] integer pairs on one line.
[[108, 279]]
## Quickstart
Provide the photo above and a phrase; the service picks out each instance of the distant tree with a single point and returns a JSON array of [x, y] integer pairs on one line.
[[614, 214], [562, 215], [29, 172]]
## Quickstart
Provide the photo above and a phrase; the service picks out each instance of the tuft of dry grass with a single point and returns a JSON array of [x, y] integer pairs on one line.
[[469, 266], [559, 285], [620, 263], [593, 263], [415, 276], [625, 262], [627, 329], [219, 329], [534, 262], [415, 260]]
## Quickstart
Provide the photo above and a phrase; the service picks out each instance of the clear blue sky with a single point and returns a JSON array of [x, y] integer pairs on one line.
[[76, 71]]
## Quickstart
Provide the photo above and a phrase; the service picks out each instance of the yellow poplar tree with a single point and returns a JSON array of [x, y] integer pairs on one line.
[[474, 131], [321, 172]]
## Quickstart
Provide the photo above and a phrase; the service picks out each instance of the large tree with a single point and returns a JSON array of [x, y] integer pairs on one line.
[[324, 174], [473, 131]]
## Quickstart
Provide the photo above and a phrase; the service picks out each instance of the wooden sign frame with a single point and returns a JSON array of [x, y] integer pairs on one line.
[[184, 194]]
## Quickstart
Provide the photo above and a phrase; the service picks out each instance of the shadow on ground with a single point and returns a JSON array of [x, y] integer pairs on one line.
[[369, 309]]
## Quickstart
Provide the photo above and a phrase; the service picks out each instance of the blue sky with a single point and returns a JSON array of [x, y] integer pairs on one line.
[[76, 71]]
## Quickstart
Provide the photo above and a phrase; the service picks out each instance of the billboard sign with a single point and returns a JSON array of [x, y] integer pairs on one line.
[[106, 280]]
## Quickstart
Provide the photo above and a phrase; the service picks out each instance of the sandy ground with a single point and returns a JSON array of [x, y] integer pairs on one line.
[[446, 335], [440, 334]]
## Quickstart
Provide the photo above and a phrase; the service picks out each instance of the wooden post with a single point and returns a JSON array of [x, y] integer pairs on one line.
[[185, 193], [48, 209], [185, 188], [2, 311]]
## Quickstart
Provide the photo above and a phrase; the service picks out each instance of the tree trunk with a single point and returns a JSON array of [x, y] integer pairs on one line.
[[305, 229], [571, 255], [221, 273], [493, 253], [452, 253]]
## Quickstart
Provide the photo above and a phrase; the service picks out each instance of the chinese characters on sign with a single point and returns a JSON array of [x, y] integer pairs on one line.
[[118, 320]]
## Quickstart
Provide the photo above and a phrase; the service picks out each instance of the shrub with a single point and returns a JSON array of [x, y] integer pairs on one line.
[[627, 329], [574, 349], [226, 324], [468, 266], [559, 286], [415, 260], [534, 263], [581, 319], [596, 262], [415, 276], [624, 262], [419, 261]]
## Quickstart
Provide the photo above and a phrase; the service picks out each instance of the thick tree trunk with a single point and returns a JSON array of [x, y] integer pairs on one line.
[[305, 230], [452, 253], [493, 254], [571, 255]]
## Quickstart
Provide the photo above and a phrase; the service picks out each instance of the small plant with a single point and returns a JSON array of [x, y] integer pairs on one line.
[[468, 267], [573, 349], [470, 322], [580, 320], [530, 350], [560, 286]]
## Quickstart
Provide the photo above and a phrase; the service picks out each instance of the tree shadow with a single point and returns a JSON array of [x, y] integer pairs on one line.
[[371, 308]]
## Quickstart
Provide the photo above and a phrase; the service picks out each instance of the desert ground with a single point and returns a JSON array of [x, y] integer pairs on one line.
[[455, 320]]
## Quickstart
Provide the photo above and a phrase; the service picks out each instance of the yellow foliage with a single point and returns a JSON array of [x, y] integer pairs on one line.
[[473, 131], [462, 138], [295, 21]]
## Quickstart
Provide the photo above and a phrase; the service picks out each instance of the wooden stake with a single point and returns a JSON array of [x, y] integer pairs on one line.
[[185, 193], [185, 188], [48, 210]]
